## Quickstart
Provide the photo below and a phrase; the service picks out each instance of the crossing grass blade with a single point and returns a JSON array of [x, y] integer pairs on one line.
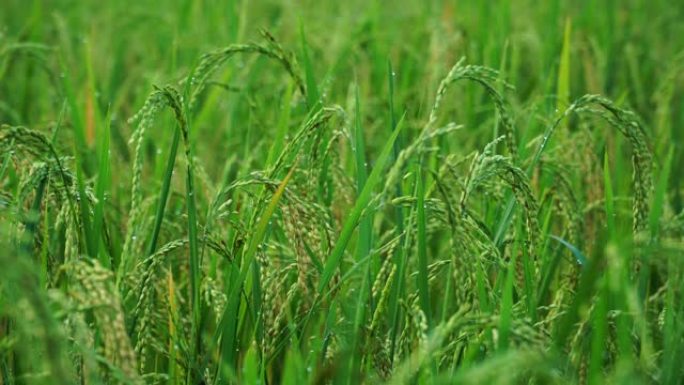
[[507, 303], [365, 225], [598, 335], [363, 247], [164, 191], [563, 87], [195, 265], [422, 278], [399, 256], [283, 125], [101, 189], [82, 162], [228, 319], [610, 199], [352, 219], [313, 99]]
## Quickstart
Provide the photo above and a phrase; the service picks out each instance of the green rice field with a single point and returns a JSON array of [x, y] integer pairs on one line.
[[214, 192]]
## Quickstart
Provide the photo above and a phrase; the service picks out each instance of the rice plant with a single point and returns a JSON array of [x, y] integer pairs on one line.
[[341, 193]]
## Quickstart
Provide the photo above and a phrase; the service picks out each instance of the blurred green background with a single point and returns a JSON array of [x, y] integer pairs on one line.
[[114, 51]]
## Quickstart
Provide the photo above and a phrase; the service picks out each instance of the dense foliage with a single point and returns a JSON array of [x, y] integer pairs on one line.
[[402, 192]]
